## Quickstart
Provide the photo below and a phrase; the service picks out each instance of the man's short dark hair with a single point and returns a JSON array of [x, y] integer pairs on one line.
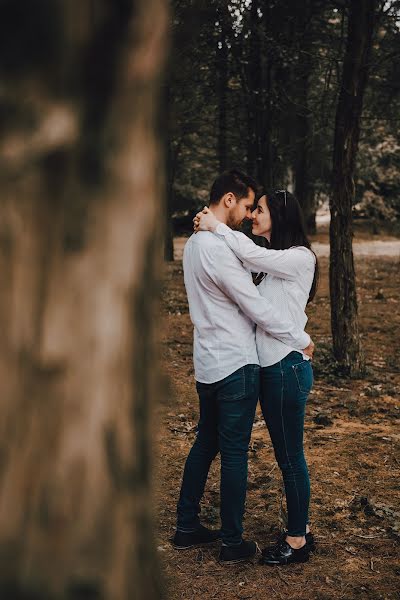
[[232, 181]]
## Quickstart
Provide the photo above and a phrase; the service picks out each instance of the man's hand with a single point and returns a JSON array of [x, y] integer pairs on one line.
[[205, 220], [310, 349]]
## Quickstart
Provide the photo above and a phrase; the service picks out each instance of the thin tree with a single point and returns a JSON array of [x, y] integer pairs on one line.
[[344, 312], [170, 168], [80, 260], [303, 117], [222, 74]]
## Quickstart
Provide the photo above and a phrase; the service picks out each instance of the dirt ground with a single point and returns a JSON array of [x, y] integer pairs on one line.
[[352, 446]]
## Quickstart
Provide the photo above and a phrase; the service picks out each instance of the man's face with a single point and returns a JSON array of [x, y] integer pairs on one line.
[[241, 210]]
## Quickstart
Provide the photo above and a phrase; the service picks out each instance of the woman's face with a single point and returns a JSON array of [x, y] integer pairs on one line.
[[262, 224]]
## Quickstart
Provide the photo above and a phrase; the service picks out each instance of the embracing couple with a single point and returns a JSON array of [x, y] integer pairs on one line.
[[249, 345]]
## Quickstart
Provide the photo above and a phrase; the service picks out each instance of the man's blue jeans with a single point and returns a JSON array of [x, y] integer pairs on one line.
[[227, 410], [284, 391]]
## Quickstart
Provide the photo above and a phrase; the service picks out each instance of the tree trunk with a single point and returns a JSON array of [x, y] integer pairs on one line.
[[253, 77], [303, 185], [80, 265], [222, 82], [170, 176], [344, 318], [268, 177], [169, 233], [266, 152]]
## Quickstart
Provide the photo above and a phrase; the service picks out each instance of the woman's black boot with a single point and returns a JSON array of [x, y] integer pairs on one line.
[[284, 554]]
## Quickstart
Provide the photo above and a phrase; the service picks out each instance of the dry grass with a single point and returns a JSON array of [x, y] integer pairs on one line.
[[354, 461]]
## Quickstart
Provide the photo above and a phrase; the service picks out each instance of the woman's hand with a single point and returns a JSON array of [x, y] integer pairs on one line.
[[310, 349], [205, 221]]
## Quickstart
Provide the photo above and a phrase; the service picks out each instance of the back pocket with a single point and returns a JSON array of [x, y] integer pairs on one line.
[[233, 387], [304, 376]]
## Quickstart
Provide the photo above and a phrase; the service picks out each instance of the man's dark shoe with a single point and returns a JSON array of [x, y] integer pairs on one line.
[[284, 554], [310, 541], [230, 555], [201, 537]]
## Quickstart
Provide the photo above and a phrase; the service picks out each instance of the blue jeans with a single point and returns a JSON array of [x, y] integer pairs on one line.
[[284, 391], [227, 410]]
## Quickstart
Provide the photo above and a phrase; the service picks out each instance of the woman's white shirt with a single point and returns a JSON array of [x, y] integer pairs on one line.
[[287, 285]]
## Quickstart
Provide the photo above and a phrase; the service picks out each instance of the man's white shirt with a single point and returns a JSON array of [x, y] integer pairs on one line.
[[224, 307]]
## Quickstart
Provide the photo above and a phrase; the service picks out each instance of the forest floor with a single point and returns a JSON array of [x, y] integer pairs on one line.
[[352, 441]]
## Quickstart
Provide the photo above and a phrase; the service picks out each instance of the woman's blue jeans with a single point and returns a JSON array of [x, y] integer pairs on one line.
[[284, 390], [227, 410]]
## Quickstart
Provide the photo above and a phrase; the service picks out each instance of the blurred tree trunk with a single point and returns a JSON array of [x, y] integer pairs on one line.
[[79, 261], [344, 313]]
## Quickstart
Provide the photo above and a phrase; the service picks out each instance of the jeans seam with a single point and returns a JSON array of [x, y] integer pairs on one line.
[[297, 379], [284, 437]]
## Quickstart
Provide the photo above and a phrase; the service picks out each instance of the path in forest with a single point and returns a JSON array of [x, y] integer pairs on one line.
[[362, 248]]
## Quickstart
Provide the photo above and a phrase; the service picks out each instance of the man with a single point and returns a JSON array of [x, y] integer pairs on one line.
[[224, 306]]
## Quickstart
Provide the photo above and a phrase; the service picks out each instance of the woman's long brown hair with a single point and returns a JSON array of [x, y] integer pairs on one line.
[[288, 229]]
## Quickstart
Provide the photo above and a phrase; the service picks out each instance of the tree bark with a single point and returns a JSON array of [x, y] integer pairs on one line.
[[169, 230], [302, 171], [221, 64], [344, 312], [254, 100], [80, 266], [170, 176]]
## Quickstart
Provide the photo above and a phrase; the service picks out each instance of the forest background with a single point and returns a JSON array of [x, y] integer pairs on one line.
[[305, 96], [257, 84]]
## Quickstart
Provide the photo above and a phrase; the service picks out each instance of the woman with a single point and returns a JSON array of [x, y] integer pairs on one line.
[[287, 276]]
